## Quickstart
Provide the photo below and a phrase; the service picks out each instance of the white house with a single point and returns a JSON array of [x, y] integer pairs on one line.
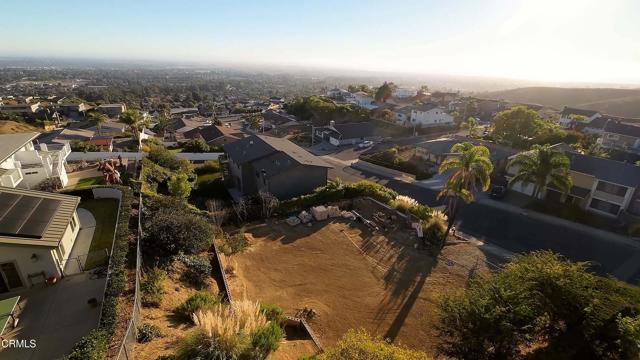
[[25, 166], [567, 116], [363, 99], [404, 92], [37, 232], [430, 115]]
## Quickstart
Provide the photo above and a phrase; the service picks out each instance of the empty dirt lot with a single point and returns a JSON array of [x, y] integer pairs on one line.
[[351, 278]]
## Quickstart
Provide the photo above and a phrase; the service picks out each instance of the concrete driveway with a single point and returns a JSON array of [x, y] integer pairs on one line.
[[55, 317]]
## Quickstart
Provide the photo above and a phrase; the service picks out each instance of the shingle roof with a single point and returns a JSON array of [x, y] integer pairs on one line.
[[259, 146], [621, 128], [573, 111], [58, 223], [605, 169], [10, 143], [356, 130], [425, 107]]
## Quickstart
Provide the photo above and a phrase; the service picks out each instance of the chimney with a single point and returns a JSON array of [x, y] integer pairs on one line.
[[43, 147], [332, 124]]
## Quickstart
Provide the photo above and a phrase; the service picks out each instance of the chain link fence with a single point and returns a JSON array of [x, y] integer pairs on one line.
[[129, 340]]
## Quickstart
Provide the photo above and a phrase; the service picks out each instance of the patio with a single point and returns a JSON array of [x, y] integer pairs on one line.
[[56, 317]]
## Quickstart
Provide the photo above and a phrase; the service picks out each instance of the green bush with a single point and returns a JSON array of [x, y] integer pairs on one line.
[[159, 155], [232, 244], [273, 313], [267, 339], [148, 332], [152, 287], [422, 212], [196, 145], [169, 231], [200, 300], [92, 346], [434, 229], [209, 166], [198, 269]]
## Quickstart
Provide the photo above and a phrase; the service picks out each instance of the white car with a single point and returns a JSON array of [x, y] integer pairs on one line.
[[365, 144]]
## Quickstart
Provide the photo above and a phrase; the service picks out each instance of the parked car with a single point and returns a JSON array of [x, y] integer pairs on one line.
[[365, 144], [497, 192]]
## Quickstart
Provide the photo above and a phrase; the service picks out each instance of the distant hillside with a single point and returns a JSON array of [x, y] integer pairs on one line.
[[12, 127], [618, 102]]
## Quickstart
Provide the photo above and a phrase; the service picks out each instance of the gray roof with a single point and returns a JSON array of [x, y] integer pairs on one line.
[[356, 130], [573, 111], [443, 147], [257, 147], [10, 143], [605, 169], [425, 107], [621, 128], [58, 223]]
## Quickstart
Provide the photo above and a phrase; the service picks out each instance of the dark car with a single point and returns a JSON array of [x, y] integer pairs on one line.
[[497, 192]]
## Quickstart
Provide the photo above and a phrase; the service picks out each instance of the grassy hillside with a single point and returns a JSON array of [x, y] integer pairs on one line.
[[12, 127], [619, 102]]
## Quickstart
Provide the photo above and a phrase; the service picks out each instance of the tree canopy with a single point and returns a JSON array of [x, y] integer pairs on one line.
[[542, 166], [385, 91], [516, 126], [542, 306]]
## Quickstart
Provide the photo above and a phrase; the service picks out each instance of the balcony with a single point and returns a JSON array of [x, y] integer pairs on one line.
[[10, 177]]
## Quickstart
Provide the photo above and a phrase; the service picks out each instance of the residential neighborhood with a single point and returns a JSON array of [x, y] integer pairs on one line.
[[303, 181]]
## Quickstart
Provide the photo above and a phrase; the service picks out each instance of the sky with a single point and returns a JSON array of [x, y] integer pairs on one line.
[[541, 40]]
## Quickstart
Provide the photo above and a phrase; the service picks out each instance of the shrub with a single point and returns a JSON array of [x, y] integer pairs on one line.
[[148, 332], [93, 346], [224, 332], [267, 339], [201, 300], [159, 155], [356, 345], [232, 244], [198, 269], [179, 186], [196, 145], [273, 313], [152, 287], [403, 203], [169, 232], [420, 211], [434, 229], [209, 166]]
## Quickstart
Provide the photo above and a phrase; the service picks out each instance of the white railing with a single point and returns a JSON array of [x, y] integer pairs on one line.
[[11, 177]]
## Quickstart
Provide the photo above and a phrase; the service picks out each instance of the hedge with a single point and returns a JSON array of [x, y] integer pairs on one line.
[[94, 345], [336, 190]]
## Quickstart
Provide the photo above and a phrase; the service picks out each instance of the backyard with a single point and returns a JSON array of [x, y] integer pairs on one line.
[[105, 212], [88, 182], [209, 185], [351, 277]]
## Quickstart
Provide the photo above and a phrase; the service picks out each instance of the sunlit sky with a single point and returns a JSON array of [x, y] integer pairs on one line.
[[547, 40]]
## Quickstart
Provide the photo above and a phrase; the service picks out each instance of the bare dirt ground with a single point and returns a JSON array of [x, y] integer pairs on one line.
[[12, 127], [352, 278], [173, 329]]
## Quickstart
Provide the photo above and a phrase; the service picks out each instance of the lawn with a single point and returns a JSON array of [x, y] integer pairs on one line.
[[105, 211], [352, 278], [209, 185], [91, 181]]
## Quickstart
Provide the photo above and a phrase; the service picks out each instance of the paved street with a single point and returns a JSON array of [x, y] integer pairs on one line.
[[518, 231]]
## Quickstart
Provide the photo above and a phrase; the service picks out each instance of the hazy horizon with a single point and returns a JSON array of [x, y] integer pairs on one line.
[[550, 42]]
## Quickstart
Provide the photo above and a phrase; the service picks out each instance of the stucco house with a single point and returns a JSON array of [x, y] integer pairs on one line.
[[24, 164], [568, 114], [37, 232], [278, 166], [429, 114], [621, 136], [347, 134], [603, 186]]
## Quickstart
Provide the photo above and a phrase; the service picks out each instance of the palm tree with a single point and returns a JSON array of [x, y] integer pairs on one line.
[[542, 166], [134, 120], [471, 124], [471, 169], [98, 119]]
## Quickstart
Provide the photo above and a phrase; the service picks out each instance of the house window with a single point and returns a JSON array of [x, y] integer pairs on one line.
[[604, 206], [612, 189], [30, 172], [73, 224]]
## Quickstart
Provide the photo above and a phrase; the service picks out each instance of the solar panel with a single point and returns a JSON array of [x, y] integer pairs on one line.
[[25, 216]]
